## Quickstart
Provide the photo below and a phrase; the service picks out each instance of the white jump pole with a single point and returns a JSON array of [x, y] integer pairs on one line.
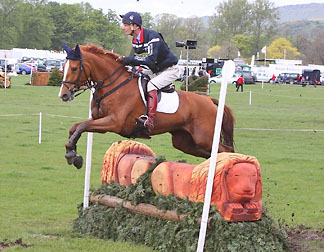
[[40, 128], [88, 163], [5, 77], [227, 73], [31, 74], [250, 102]]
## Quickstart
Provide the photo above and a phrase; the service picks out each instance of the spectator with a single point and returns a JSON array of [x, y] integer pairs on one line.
[[239, 83], [201, 72], [298, 78], [193, 71], [273, 78], [284, 79]]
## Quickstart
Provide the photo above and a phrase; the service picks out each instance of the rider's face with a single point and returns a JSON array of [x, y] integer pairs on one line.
[[127, 29]]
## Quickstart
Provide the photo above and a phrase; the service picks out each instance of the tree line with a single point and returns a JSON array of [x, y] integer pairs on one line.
[[237, 28]]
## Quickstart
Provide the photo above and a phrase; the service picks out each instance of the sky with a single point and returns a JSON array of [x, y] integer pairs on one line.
[[180, 8]]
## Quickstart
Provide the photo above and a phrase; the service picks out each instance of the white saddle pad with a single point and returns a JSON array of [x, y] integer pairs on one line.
[[169, 102]]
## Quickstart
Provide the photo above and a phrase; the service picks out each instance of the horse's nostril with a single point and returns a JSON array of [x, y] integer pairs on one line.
[[65, 97]]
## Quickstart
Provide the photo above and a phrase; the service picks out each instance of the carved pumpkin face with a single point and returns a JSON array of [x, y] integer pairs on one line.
[[241, 182]]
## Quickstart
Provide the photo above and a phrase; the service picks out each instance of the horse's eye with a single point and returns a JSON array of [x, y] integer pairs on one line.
[[74, 69]]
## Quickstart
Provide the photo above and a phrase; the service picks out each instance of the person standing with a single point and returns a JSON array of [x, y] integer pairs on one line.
[[273, 78], [150, 49], [240, 81]]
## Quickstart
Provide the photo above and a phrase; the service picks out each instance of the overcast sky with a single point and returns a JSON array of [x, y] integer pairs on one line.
[[180, 8]]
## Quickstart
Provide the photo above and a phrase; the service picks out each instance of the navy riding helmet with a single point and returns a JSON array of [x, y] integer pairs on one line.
[[132, 18]]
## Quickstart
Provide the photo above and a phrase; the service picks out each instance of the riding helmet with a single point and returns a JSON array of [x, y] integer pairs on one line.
[[132, 18]]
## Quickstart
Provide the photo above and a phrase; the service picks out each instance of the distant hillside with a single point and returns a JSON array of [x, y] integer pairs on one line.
[[308, 28], [294, 20], [291, 13]]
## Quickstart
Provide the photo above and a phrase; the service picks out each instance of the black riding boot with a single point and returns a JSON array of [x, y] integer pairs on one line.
[[148, 120]]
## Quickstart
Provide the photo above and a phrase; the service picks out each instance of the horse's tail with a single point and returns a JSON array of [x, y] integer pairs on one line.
[[227, 130]]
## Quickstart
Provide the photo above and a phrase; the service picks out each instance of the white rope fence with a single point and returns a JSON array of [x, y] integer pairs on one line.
[[40, 114], [283, 96], [37, 114]]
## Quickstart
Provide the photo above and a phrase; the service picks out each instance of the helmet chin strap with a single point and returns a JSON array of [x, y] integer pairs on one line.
[[134, 29]]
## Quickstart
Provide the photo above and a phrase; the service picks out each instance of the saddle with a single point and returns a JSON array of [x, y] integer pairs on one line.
[[144, 79], [168, 100]]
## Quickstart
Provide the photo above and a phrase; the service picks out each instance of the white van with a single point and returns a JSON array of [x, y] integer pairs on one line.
[[263, 77]]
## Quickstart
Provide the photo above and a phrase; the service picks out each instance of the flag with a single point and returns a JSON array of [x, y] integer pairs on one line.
[[264, 49]]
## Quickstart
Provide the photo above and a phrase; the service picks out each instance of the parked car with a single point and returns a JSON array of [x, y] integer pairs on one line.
[[23, 69], [41, 68], [248, 78], [10, 67], [50, 64], [311, 76], [263, 77], [219, 78], [291, 78]]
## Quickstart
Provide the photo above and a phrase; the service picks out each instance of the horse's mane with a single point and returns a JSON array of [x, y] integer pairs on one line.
[[98, 50]]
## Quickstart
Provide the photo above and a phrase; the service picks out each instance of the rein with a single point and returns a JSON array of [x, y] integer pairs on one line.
[[100, 84]]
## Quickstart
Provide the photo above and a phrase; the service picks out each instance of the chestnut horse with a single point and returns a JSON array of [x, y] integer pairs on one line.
[[117, 102]]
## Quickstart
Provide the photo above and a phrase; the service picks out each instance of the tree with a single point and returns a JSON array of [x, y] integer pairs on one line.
[[314, 52], [9, 22], [37, 28], [147, 20], [193, 29], [263, 20], [228, 50], [104, 30], [276, 49], [170, 27], [231, 18], [68, 20], [214, 52], [244, 44]]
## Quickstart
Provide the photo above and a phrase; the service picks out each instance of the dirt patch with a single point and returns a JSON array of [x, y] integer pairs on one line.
[[299, 236], [6, 244]]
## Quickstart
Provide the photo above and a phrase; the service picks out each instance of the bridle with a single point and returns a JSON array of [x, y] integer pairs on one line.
[[76, 86], [96, 85]]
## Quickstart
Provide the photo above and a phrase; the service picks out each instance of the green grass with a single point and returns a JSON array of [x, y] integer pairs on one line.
[[40, 192]]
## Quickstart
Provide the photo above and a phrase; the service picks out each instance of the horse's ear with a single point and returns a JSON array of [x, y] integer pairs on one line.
[[77, 51], [66, 48]]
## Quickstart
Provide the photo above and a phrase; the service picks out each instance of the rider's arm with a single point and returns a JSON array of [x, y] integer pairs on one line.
[[150, 60]]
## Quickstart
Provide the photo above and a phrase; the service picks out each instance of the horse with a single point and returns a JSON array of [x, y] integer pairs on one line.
[[117, 102]]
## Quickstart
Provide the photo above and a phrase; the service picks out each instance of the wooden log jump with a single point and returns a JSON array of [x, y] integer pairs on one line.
[[143, 209]]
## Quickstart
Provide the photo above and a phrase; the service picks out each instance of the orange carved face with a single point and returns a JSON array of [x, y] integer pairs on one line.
[[241, 182]]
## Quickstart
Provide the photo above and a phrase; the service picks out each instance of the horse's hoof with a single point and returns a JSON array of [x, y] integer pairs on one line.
[[78, 162], [70, 157]]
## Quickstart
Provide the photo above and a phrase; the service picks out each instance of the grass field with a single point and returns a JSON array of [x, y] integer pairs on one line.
[[283, 128]]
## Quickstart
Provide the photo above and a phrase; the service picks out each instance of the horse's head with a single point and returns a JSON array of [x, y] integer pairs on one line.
[[75, 76]]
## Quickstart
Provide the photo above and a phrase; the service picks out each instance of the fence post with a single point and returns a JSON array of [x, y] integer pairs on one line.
[[250, 97], [40, 129], [228, 71], [88, 163]]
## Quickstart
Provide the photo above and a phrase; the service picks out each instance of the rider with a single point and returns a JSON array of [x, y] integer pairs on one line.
[[150, 49]]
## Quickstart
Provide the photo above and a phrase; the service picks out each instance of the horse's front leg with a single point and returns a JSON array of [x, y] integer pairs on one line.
[[100, 125], [71, 152]]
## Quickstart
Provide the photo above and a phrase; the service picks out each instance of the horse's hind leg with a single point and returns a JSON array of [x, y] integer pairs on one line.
[[183, 141]]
